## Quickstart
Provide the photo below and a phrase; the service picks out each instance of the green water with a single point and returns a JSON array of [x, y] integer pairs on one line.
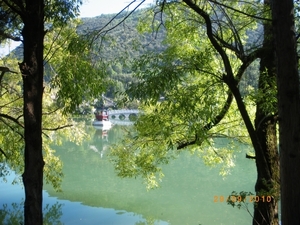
[[93, 194], [186, 195]]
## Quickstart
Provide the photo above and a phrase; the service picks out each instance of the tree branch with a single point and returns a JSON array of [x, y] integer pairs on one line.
[[12, 119], [228, 78], [8, 125], [18, 3], [211, 124], [3, 153], [9, 36], [49, 113], [238, 11], [57, 128], [3, 71], [109, 22], [250, 157]]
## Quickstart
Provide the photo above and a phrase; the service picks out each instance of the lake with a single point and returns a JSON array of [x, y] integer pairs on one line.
[[93, 194]]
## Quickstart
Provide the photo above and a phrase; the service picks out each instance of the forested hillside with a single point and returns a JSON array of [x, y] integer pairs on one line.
[[123, 43], [120, 42]]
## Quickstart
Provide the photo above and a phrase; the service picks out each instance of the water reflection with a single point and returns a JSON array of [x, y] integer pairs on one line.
[[13, 215], [186, 195], [93, 194]]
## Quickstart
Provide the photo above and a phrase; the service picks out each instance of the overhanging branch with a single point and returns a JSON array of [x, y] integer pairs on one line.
[[4, 70], [215, 121], [57, 128], [3, 153], [9, 36], [11, 119]]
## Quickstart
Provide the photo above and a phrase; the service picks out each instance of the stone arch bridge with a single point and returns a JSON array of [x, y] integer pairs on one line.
[[123, 115]]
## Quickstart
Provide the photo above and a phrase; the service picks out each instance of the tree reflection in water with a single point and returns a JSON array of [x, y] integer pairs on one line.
[[14, 215]]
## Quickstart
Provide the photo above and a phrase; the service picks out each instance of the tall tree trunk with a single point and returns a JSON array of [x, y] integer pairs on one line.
[[288, 110], [266, 213], [32, 72]]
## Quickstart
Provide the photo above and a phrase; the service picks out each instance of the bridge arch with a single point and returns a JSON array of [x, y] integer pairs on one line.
[[123, 114]]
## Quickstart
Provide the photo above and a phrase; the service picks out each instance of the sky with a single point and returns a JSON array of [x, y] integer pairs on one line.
[[92, 8]]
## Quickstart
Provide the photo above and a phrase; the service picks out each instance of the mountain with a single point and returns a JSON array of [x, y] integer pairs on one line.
[[121, 42], [120, 37]]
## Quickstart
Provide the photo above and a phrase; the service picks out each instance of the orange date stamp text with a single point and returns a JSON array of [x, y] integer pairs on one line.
[[239, 198]]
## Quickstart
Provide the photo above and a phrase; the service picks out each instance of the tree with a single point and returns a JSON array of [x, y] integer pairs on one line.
[[192, 79], [265, 127], [32, 71], [30, 16], [288, 109]]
